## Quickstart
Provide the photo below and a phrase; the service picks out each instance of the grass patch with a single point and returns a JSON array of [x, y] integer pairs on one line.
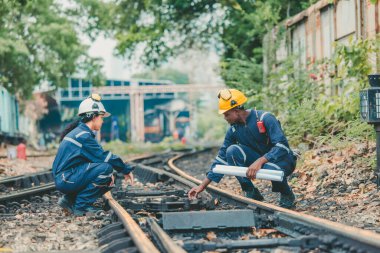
[[122, 148]]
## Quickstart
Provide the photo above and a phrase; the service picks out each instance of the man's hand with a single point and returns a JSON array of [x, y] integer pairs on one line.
[[255, 167], [129, 177], [193, 193]]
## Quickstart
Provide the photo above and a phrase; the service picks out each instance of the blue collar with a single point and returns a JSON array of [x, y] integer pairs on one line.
[[86, 128], [251, 112]]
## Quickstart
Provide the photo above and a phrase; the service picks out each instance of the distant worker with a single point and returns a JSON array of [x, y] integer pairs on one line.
[[254, 140], [114, 129], [83, 171], [21, 150], [175, 134]]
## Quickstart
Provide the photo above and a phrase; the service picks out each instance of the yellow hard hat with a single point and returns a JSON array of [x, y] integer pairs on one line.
[[230, 98]]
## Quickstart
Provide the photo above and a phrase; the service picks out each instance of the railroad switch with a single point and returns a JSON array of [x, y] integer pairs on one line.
[[221, 219], [307, 242], [163, 204], [160, 198]]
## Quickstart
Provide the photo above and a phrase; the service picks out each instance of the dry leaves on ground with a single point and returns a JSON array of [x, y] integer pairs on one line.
[[265, 232]]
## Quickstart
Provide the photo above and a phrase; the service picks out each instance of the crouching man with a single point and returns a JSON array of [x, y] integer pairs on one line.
[[255, 140]]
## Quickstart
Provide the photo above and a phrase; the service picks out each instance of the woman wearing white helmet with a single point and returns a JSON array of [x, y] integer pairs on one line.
[[83, 171]]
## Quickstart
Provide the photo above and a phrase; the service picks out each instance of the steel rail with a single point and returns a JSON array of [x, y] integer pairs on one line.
[[140, 157], [352, 233], [141, 241], [160, 235], [27, 192], [8, 180]]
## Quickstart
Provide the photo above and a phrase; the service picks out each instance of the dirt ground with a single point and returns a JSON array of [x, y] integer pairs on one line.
[[338, 185], [17, 167]]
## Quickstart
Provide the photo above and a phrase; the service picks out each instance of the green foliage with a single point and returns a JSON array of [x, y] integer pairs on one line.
[[242, 75], [321, 105], [354, 61], [93, 16], [210, 125], [38, 43], [124, 149], [173, 75], [166, 28], [162, 29]]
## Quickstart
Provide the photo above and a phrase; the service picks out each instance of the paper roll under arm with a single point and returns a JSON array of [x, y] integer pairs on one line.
[[230, 170]]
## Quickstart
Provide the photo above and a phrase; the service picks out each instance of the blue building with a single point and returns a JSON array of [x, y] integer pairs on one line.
[[119, 105]]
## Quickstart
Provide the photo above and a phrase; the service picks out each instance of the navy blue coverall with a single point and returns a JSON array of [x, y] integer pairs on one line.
[[244, 144], [82, 169]]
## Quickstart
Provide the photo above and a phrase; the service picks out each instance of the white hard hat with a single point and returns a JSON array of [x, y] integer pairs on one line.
[[92, 104]]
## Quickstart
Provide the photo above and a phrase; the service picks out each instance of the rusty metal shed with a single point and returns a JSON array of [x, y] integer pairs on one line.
[[311, 33]]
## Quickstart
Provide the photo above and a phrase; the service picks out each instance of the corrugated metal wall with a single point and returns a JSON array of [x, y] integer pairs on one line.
[[310, 34], [8, 113]]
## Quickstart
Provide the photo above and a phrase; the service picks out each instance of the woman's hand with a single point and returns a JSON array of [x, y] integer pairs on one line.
[[129, 177], [112, 180]]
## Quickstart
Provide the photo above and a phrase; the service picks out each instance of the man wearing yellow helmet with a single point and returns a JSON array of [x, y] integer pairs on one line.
[[254, 140]]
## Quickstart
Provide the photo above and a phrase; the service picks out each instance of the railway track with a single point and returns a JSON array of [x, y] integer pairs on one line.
[[33, 155], [158, 206]]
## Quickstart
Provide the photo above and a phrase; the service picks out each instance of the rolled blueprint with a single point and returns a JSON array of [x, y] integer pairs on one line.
[[268, 177], [272, 175]]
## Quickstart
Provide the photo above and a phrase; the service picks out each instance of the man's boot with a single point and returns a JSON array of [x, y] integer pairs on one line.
[[287, 200], [254, 194]]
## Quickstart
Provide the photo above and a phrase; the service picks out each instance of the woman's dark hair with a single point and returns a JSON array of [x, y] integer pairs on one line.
[[86, 117]]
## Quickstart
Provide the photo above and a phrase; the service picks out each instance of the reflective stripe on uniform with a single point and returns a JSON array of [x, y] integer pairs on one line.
[[283, 146], [105, 176], [108, 157], [221, 160], [81, 133], [262, 116], [274, 165], [100, 185], [242, 151], [73, 141], [64, 179]]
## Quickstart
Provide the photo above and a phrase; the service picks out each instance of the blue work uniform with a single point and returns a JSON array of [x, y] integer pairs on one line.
[[82, 169], [244, 144]]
